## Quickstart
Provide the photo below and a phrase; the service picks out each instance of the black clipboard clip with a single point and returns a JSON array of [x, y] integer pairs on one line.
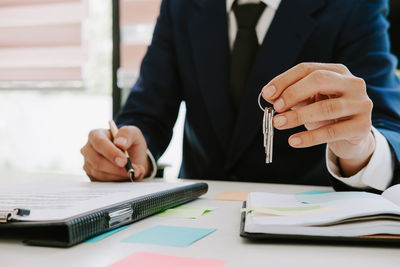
[[8, 215]]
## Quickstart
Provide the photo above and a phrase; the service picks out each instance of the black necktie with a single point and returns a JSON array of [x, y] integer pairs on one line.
[[244, 49]]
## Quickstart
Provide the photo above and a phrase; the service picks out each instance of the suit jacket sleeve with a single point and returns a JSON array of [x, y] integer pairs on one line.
[[154, 100], [364, 47]]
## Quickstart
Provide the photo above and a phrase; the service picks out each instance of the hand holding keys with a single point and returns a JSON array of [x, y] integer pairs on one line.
[[268, 130]]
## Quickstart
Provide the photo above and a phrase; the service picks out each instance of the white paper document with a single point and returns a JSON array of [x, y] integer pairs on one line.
[[61, 200]]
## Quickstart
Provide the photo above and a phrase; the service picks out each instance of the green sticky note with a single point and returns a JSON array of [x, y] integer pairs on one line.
[[186, 211]]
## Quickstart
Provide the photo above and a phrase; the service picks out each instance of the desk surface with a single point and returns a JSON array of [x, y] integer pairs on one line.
[[224, 244]]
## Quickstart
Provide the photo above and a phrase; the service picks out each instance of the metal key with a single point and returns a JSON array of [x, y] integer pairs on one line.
[[268, 130]]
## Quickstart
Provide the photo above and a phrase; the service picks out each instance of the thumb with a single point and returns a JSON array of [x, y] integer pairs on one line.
[[131, 139], [128, 136]]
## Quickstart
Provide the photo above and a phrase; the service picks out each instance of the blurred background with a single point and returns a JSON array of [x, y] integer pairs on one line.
[[66, 67], [60, 77]]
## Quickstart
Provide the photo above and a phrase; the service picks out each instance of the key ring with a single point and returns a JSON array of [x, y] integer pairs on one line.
[[259, 102]]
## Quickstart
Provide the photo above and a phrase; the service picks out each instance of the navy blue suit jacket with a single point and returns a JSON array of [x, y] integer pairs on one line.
[[188, 60]]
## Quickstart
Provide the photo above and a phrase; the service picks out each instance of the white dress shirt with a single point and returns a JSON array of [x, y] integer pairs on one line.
[[379, 171]]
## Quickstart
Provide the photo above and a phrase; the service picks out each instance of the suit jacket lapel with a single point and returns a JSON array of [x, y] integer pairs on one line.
[[209, 40], [278, 52]]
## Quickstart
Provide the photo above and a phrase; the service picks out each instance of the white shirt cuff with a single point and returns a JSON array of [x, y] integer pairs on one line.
[[153, 165], [377, 174]]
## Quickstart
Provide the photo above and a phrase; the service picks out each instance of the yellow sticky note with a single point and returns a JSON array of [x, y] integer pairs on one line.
[[186, 211]]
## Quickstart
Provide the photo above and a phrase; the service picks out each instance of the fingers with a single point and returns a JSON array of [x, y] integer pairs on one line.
[[350, 130], [318, 82], [131, 139], [100, 141], [328, 100], [140, 172], [277, 85], [97, 175], [325, 110], [97, 163], [105, 159]]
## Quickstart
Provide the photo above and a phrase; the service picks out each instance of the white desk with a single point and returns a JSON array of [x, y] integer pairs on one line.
[[225, 243]]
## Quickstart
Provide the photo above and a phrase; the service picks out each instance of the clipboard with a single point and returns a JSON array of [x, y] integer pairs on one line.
[[373, 240], [78, 228]]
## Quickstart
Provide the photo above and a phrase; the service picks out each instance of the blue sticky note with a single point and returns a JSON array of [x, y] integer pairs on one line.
[[313, 192], [106, 234], [169, 235]]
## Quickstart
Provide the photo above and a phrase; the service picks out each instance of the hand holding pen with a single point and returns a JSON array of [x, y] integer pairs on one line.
[[105, 158], [128, 166]]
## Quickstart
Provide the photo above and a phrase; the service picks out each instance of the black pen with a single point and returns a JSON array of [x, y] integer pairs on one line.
[[128, 166]]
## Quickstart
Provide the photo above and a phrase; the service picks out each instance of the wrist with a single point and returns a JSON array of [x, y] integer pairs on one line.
[[151, 166], [351, 166], [148, 167]]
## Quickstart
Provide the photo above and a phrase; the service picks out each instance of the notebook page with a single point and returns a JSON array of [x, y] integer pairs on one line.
[[61, 200], [393, 194], [309, 210]]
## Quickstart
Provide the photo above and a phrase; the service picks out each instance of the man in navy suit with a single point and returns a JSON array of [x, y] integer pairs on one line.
[[338, 118]]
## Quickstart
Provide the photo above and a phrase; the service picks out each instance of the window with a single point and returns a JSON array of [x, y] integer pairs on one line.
[[56, 78], [55, 81], [137, 21], [41, 41]]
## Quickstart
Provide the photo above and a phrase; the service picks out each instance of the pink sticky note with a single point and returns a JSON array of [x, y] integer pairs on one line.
[[147, 259]]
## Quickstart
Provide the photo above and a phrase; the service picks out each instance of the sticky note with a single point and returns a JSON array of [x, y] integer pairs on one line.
[[186, 211], [147, 259], [235, 195], [313, 192], [169, 235], [106, 234]]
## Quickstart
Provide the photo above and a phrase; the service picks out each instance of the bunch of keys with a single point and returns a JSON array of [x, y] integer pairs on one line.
[[268, 130]]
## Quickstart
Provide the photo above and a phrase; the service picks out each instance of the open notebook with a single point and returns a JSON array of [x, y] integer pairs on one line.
[[331, 215]]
